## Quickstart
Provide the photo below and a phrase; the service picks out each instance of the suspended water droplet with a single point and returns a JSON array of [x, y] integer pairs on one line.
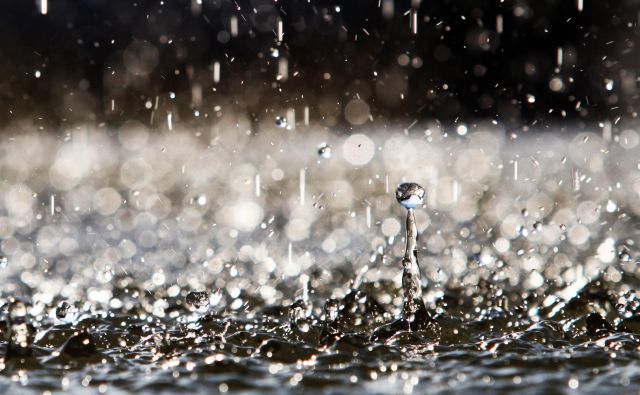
[[200, 200], [62, 310], [624, 255], [608, 84], [198, 299], [324, 151], [275, 52], [410, 195], [298, 316], [281, 122], [537, 226], [522, 231], [331, 310]]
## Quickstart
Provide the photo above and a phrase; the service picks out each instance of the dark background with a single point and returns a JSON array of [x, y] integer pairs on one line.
[[456, 67]]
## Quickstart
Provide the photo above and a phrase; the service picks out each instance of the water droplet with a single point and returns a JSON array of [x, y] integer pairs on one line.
[[624, 255], [3, 262], [62, 310], [331, 310], [200, 200], [608, 84], [522, 231], [324, 151], [281, 122], [410, 195], [198, 299]]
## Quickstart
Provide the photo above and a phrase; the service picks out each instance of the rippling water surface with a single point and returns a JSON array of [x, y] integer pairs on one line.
[[218, 260]]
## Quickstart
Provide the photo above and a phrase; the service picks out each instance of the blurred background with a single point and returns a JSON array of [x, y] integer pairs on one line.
[[338, 63], [232, 144]]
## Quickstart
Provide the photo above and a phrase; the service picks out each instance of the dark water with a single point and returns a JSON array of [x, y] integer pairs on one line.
[[141, 262], [483, 339]]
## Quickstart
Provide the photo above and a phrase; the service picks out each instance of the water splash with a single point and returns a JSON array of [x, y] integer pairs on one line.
[[19, 333]]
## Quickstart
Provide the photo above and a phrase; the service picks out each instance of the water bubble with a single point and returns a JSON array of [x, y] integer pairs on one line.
[[410, 195], [281, 122], [324, 151]]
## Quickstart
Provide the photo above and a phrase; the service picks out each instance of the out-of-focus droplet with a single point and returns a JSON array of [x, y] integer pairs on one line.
[[62, 310], [281, 122], [324, 151], [608, 84], [198, 299]]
